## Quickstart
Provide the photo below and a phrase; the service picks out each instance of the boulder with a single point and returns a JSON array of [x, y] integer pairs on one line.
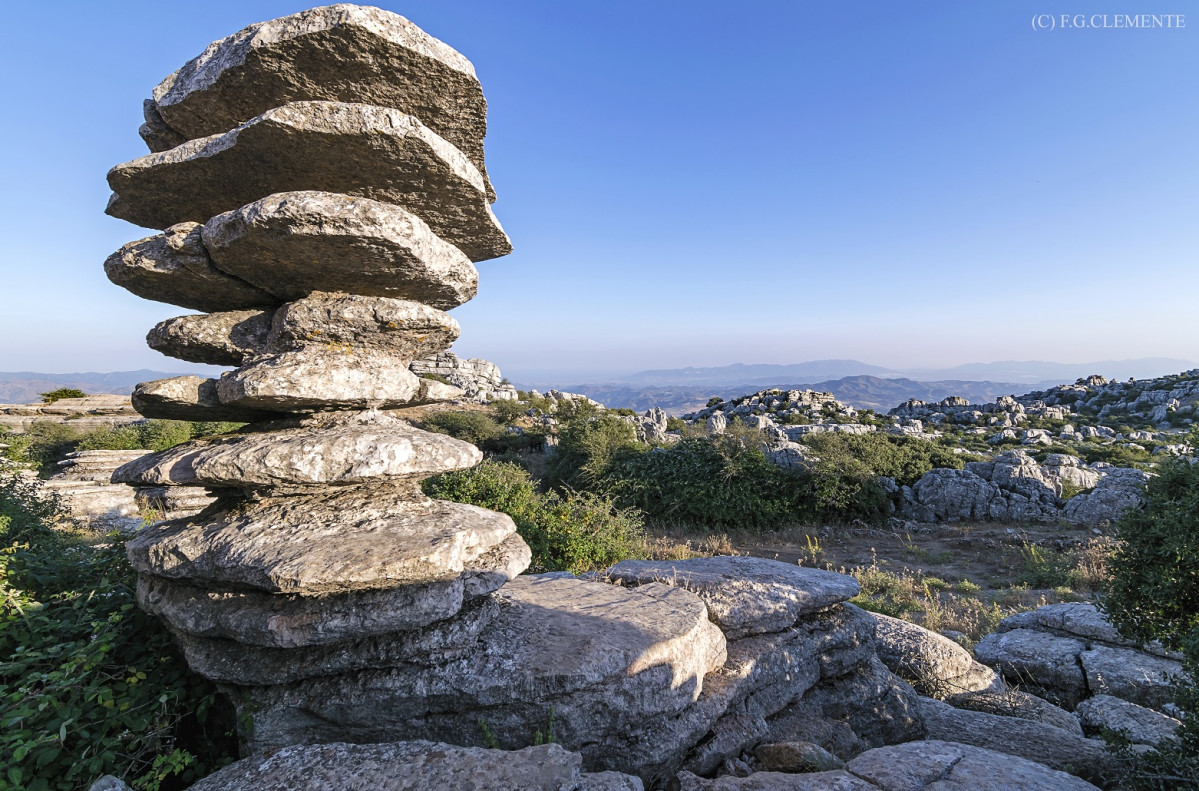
[[174, 267], [343, 53], [1078, 619], [224, 338], [323, 543], [745, 595], [836, 780], [935, 665], [412, 766], [320, 452], [329, 377], [880, 707], [1033, 741], [190, 398], [402, 328], [1136, 723], [1044, 663], [1132, 675], [291, 244], [1014, 703], [172, 502], [352, 149], [609, 669], [1119, 490]]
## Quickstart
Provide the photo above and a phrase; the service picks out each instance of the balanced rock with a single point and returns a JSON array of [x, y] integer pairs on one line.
[[174, 267], [403, 328], [224, 338], [190, 398], [293, 243], [353, 149], [329, 377], [343, 53], [323, 543], [745, 595]]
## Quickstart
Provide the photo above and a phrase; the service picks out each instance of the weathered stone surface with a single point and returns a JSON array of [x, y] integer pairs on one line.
[[412, 766], [84, 414], [1044, 663], [1081, 619], [949, 766], [879, 706], [224, 338], [233, 662], [155, 132], [190, 398], [481, 380], [1014, 703], [291, 244], [323, 451], [172, 502], [837, 780], [796, 757], [745, 595], [328, 378], [344, 53], [405, 329], [353, 149], [174, 267], [1120, 490], [935, 665], [355, 540], [616, 665], [1027, 739], [93, 465], [803, 721], [1138, 724], [1135, 676]]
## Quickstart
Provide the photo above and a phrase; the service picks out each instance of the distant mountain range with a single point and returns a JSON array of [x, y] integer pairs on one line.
[[863, 392], [1028, 372], [26, 387]]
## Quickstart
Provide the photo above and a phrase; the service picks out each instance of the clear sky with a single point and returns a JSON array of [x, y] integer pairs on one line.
[[699, 183]]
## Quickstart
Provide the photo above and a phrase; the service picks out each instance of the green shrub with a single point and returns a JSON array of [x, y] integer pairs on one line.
[[506, 412], [1154, 595], [437, 378], [566, 532], [47, 442], [89, 684], [472, 427], [906, 459], [62, 392], [587, 449]]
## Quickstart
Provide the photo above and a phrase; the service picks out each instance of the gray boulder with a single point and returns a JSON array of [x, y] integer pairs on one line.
[[1119, 490], [403, 328], [1015, 703], [412, 766], [1137, 724], [291, 244], [174, 267], [1132, 675], [381, 154], [190, 398], [1046, 664], [224, 338], [343, 53], [935, 665], [745, 595]]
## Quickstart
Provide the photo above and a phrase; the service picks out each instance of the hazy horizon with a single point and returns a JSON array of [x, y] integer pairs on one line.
[[693, 184]]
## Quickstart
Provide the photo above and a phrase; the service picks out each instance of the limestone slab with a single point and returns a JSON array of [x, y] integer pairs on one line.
[[745, 595], [361, 539], [223, 338], [609, 662], [369, 447], [293, 243], [934, 664], [189, 398], [940, 765], [174, 267], [413, 766], [1138, 724], [352, 149], [1135, 676], [1045, 663], [344, 53], [406, 329]]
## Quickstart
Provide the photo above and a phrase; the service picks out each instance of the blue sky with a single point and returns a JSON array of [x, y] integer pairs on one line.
[[693, 183]]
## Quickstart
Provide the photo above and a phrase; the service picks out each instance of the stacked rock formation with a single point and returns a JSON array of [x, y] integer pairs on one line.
[[320, 187]]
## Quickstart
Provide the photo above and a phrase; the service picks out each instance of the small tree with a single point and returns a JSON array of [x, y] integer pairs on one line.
[[62, 392]]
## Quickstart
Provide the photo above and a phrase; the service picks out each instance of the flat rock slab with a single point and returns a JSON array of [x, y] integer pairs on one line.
[[836, 780], [1138, 724], [174, 267], [1045, 662], [745, 595], [1015, 703], [609, 662], [191, 398], [344, 53], [406, 329], [1135, 676], [949, 766], [413, 766], [224, 338], [1027, 739], [293, 243], [361, 539], [352, 149], [934, 664], [1077, 619], [369, 447]]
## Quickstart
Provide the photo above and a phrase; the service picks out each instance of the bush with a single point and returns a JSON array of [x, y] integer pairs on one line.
[[506, 412], [89, 684], [574, 532], [472, 427], [906, 459], [62, 392], [47, 442], [586, 451], [1154, 595]]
